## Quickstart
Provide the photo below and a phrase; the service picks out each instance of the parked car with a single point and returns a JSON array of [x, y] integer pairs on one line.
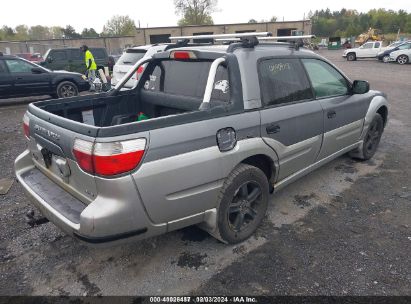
[[33, 57], [385, 54], [132, 55], [367, 50], [72, 59], [401, 56], [129, 58], [19, 77], [203, 138]]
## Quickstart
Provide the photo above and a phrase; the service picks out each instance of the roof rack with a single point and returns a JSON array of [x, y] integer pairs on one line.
[[217, 36]]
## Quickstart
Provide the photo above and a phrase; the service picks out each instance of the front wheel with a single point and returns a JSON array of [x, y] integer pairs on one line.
[[372, 139], [402, 59], [66, 89], [351, 57], [243, 204]]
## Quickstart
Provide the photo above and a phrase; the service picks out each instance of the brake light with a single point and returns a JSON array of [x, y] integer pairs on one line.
[[140, 71], [108, 159], [83, 151], [182, 55], [26, 126]]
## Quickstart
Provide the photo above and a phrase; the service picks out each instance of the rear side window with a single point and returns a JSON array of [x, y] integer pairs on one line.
[[377, 45], [130, 58], [325, 79], [283, 81], [188, 78]]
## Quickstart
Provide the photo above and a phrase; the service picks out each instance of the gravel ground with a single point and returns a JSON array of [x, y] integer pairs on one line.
[[343, 229]]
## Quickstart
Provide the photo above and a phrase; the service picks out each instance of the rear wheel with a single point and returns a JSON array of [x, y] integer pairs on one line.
[[66, 89], [243, 204], [402, 59], [351, 57]]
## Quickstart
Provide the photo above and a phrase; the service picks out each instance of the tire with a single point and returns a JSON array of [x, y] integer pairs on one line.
[[371, 139], [242, 204], [386, 58], [351, 57], [402, 59], [66, 89]]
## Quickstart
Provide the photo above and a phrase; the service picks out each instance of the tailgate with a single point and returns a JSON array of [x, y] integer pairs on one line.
[[51, 150]]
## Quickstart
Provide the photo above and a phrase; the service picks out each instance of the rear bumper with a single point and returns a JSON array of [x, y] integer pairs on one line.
[[114, 216]]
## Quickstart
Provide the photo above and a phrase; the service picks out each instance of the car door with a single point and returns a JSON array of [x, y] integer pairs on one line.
[[26, 81], [366, 50], [291, 119], [343, 112], [6, 81], [376, 48]]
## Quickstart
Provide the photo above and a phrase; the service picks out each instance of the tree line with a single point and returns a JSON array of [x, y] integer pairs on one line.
[[348, 22], [116, 26]]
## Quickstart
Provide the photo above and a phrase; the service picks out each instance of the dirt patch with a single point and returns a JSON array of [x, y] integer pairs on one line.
[[191, 260], [303, 201]]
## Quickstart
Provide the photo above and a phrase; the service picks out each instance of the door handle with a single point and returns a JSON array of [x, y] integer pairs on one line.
[[272, 128], [19, 78], [331, 114]]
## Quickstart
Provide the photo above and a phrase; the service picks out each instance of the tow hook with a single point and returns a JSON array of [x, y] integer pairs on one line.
[[34, 221]]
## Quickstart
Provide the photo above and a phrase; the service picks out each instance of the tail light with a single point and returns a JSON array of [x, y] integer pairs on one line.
[[26, 125], [108, 159], [140, 71]]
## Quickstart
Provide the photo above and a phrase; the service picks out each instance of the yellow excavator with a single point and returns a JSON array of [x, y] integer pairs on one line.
[[371, 35]]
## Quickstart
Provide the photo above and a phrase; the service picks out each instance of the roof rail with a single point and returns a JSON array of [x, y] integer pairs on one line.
[[216, 36], [251, 41], [232, 39]]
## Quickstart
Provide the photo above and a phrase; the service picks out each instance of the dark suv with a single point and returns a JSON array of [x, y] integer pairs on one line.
[[19, 77], [72, 59]]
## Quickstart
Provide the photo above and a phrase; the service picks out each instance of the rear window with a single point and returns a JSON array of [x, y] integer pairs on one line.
[[188, 78], [130, 58]]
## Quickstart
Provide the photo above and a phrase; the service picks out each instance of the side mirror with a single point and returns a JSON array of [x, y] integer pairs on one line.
[[360, 87], [49, 59], [37, 71]]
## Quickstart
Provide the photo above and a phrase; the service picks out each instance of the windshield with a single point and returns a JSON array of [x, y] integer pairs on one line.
[[131, 57], [46, 54], [394, 44]]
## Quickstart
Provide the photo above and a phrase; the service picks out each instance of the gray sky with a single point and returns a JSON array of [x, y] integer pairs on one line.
[[161, 12]]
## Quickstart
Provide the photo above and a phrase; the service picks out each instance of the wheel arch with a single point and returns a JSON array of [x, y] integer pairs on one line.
[[265, 164]]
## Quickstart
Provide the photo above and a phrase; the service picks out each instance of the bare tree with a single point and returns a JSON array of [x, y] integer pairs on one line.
[[195, 12]]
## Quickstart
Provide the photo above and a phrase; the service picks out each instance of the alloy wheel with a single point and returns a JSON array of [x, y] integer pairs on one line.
[[244, 207], [373, 136], [67, 91]]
